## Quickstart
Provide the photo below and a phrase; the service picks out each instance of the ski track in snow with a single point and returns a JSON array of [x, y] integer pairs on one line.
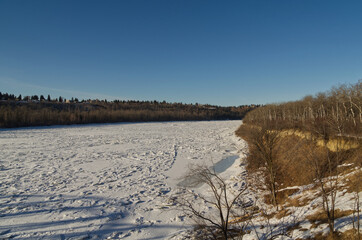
[[102, 181]]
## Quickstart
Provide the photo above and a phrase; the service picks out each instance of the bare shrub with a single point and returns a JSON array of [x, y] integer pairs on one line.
[[216, 209]]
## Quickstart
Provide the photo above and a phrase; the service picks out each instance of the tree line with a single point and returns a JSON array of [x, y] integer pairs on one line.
[[12, 97], [40, 111], [340, 107]]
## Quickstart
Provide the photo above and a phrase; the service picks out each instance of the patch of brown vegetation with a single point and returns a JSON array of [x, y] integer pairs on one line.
[[240, 219], [346, 235], [354, 179], [321, 236], [283, 196], [295, 158], [292, 159], [299, 201], [353, 182], [320, 217], [283, 213], [351, 234]]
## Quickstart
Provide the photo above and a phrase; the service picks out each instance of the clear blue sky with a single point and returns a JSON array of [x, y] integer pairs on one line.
[[216, 52]]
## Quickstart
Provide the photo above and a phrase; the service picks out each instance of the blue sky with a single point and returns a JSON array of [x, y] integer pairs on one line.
[[216, 52]]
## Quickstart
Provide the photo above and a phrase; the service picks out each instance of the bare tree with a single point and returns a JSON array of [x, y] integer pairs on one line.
[[325, 163], [222, 203], [265, 143], [356, 212]]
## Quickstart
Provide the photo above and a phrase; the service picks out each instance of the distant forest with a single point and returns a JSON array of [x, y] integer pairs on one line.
[[18, 111]]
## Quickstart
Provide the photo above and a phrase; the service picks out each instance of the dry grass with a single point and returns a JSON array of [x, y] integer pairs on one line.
[[320, 217], [240, 219], [351, 234], [353, 180], [277, 214], [283, 213], [299, 201], [347, 235], [283, 196], [292, 159], [354, 185]]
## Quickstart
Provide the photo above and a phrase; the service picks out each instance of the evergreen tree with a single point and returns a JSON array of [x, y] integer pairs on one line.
[[35, 97]]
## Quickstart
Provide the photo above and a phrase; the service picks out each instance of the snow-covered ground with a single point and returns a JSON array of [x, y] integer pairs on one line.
[[104, 181]]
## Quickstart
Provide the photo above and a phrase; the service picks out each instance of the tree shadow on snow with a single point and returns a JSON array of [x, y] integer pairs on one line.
[[85, 217]]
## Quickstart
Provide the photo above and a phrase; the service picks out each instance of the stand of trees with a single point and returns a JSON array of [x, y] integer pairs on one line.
[[340, 107], [41, 111]]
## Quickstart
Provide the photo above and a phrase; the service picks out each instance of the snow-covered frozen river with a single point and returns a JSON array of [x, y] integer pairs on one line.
[[103, 181]]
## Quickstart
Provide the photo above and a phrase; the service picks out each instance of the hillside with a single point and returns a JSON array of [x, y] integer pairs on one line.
[[305, 160]]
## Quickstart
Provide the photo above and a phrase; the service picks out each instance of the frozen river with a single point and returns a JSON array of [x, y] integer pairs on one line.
[[104, 181]]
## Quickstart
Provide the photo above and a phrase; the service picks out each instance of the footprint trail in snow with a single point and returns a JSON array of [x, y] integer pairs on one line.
[[102, 181]]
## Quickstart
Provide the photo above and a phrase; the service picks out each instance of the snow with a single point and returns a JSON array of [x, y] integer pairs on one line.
[[295, 224], [107, 181], [114, 181]]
